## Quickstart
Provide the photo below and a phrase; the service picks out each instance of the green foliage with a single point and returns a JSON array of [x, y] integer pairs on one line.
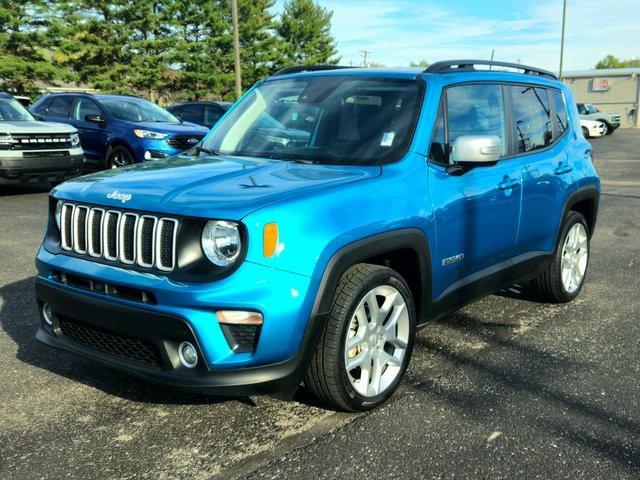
[[305, 30], [611, 61], [421, 63], [166, 51], [25, 48]]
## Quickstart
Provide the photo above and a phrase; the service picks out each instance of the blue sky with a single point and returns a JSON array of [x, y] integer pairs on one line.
[[399, 31]]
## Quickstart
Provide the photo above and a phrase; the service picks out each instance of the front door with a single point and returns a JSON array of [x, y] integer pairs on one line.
[[476, 210], [93, 135]]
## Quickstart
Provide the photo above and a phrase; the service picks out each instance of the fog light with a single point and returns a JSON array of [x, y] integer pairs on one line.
[[47, 314], [188, 355]]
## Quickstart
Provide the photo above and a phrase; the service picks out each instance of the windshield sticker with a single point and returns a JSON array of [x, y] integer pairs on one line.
[[387, 139]]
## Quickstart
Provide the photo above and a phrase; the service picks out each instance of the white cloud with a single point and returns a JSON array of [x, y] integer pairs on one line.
[[399, 31]]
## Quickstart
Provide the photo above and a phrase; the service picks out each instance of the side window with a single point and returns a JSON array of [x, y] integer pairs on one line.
[[437, 151], [60, 107], [532, 117], [560, 120], [211, 115], [190, 113], [85, 107], [476, 110], [582, 110]]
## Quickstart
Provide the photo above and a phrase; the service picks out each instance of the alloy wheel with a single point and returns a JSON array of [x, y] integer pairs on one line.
[[376, 342], [575, 254]]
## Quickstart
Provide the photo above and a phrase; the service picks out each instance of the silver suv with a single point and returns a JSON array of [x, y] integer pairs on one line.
[[33, 151], [588, 111]]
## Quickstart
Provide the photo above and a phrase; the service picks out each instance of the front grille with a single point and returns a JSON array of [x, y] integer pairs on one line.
[[40, 142], [125, 237], [109, 342], [183, 142]]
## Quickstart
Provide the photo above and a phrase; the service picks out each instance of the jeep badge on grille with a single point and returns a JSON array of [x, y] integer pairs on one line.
[[123, 197]]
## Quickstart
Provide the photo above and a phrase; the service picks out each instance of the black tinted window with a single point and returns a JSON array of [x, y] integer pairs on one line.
[[211, 115], [476, 110], [437, 151], [189, 113], [60, 107], [85, 107], [560, 121], [532, 117]]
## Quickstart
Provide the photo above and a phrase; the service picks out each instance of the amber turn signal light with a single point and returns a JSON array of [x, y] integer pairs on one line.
[[270, 239]]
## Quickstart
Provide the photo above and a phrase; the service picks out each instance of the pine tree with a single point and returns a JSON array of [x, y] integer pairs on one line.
[[305, 29], [25, 49]]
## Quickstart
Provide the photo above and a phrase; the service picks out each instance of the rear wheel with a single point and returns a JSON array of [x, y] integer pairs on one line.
[[563, 278], [119, 156], [366, 345]]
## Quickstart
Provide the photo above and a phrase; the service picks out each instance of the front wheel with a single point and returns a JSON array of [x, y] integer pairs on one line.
[[585, 132], [366, 344], [119, 157], [562, 279]]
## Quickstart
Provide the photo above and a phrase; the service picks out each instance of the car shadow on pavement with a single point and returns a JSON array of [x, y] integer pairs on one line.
[[19, 319], [575, 415], [9, 190]]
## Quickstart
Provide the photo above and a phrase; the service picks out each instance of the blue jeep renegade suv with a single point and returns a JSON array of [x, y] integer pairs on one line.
[[329, 214]]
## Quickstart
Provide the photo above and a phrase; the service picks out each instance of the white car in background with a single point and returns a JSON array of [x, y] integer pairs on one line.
[[593, 128]]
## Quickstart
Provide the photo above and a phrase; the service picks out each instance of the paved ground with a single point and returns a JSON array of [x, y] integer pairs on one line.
[[504, 388]]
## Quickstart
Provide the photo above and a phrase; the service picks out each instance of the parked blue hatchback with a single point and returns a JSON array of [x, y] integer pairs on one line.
[[328, 215], [119, 130]]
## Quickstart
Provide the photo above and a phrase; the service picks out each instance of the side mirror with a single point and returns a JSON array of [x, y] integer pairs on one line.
[[38, 118], [95, 118], [476, 150]]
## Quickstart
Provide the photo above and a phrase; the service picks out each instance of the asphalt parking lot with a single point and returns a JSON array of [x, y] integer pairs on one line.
[[505, 388]]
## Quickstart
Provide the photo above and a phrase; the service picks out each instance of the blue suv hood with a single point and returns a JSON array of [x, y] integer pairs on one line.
[[184, 128], [211, 187]]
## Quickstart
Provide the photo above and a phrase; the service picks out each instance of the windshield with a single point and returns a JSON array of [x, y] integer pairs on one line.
[[591, 108], [336, 120], [12, 111], [137, 110]]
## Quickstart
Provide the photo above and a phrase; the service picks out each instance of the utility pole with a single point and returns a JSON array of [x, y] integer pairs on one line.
[[236, 46], [365, 54], [564, 20]]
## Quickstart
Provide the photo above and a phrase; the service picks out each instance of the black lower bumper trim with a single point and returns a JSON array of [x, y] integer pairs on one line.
[[165, 332]]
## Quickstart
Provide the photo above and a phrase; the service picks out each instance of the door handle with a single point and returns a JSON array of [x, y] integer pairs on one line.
[[508, 184], [562, 169]]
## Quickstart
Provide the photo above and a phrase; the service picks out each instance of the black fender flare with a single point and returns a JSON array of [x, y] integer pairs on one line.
[[351, 254], [587, 192]]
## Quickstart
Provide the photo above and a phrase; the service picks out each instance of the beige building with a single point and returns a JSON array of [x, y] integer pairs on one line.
[[611, 90]]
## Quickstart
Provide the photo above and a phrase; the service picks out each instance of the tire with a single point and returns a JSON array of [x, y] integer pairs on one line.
[[585, 132], [118, 157], [550, 283], [608, 128], [327, 377]]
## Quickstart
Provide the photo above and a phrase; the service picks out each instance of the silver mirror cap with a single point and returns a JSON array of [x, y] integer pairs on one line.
[[476, 149]]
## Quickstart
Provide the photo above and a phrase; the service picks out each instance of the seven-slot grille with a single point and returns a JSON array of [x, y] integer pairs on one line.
[[126, 237], [40, 141]]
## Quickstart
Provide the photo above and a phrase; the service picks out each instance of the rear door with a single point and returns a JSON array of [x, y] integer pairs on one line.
[[476, 209], [93, 135], [540, 119]]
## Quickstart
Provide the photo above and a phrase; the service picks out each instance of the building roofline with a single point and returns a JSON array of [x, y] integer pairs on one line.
[[602, 72]]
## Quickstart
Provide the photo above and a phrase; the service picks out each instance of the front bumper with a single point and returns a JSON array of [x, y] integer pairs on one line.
[[40, 168], [186, 312]]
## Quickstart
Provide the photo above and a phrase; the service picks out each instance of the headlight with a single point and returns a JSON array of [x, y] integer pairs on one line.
[[221, 242], [149, 134], [58, 214], [74, 138]]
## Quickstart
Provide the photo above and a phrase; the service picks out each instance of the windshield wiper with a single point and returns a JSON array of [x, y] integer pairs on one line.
[[200, 149]]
